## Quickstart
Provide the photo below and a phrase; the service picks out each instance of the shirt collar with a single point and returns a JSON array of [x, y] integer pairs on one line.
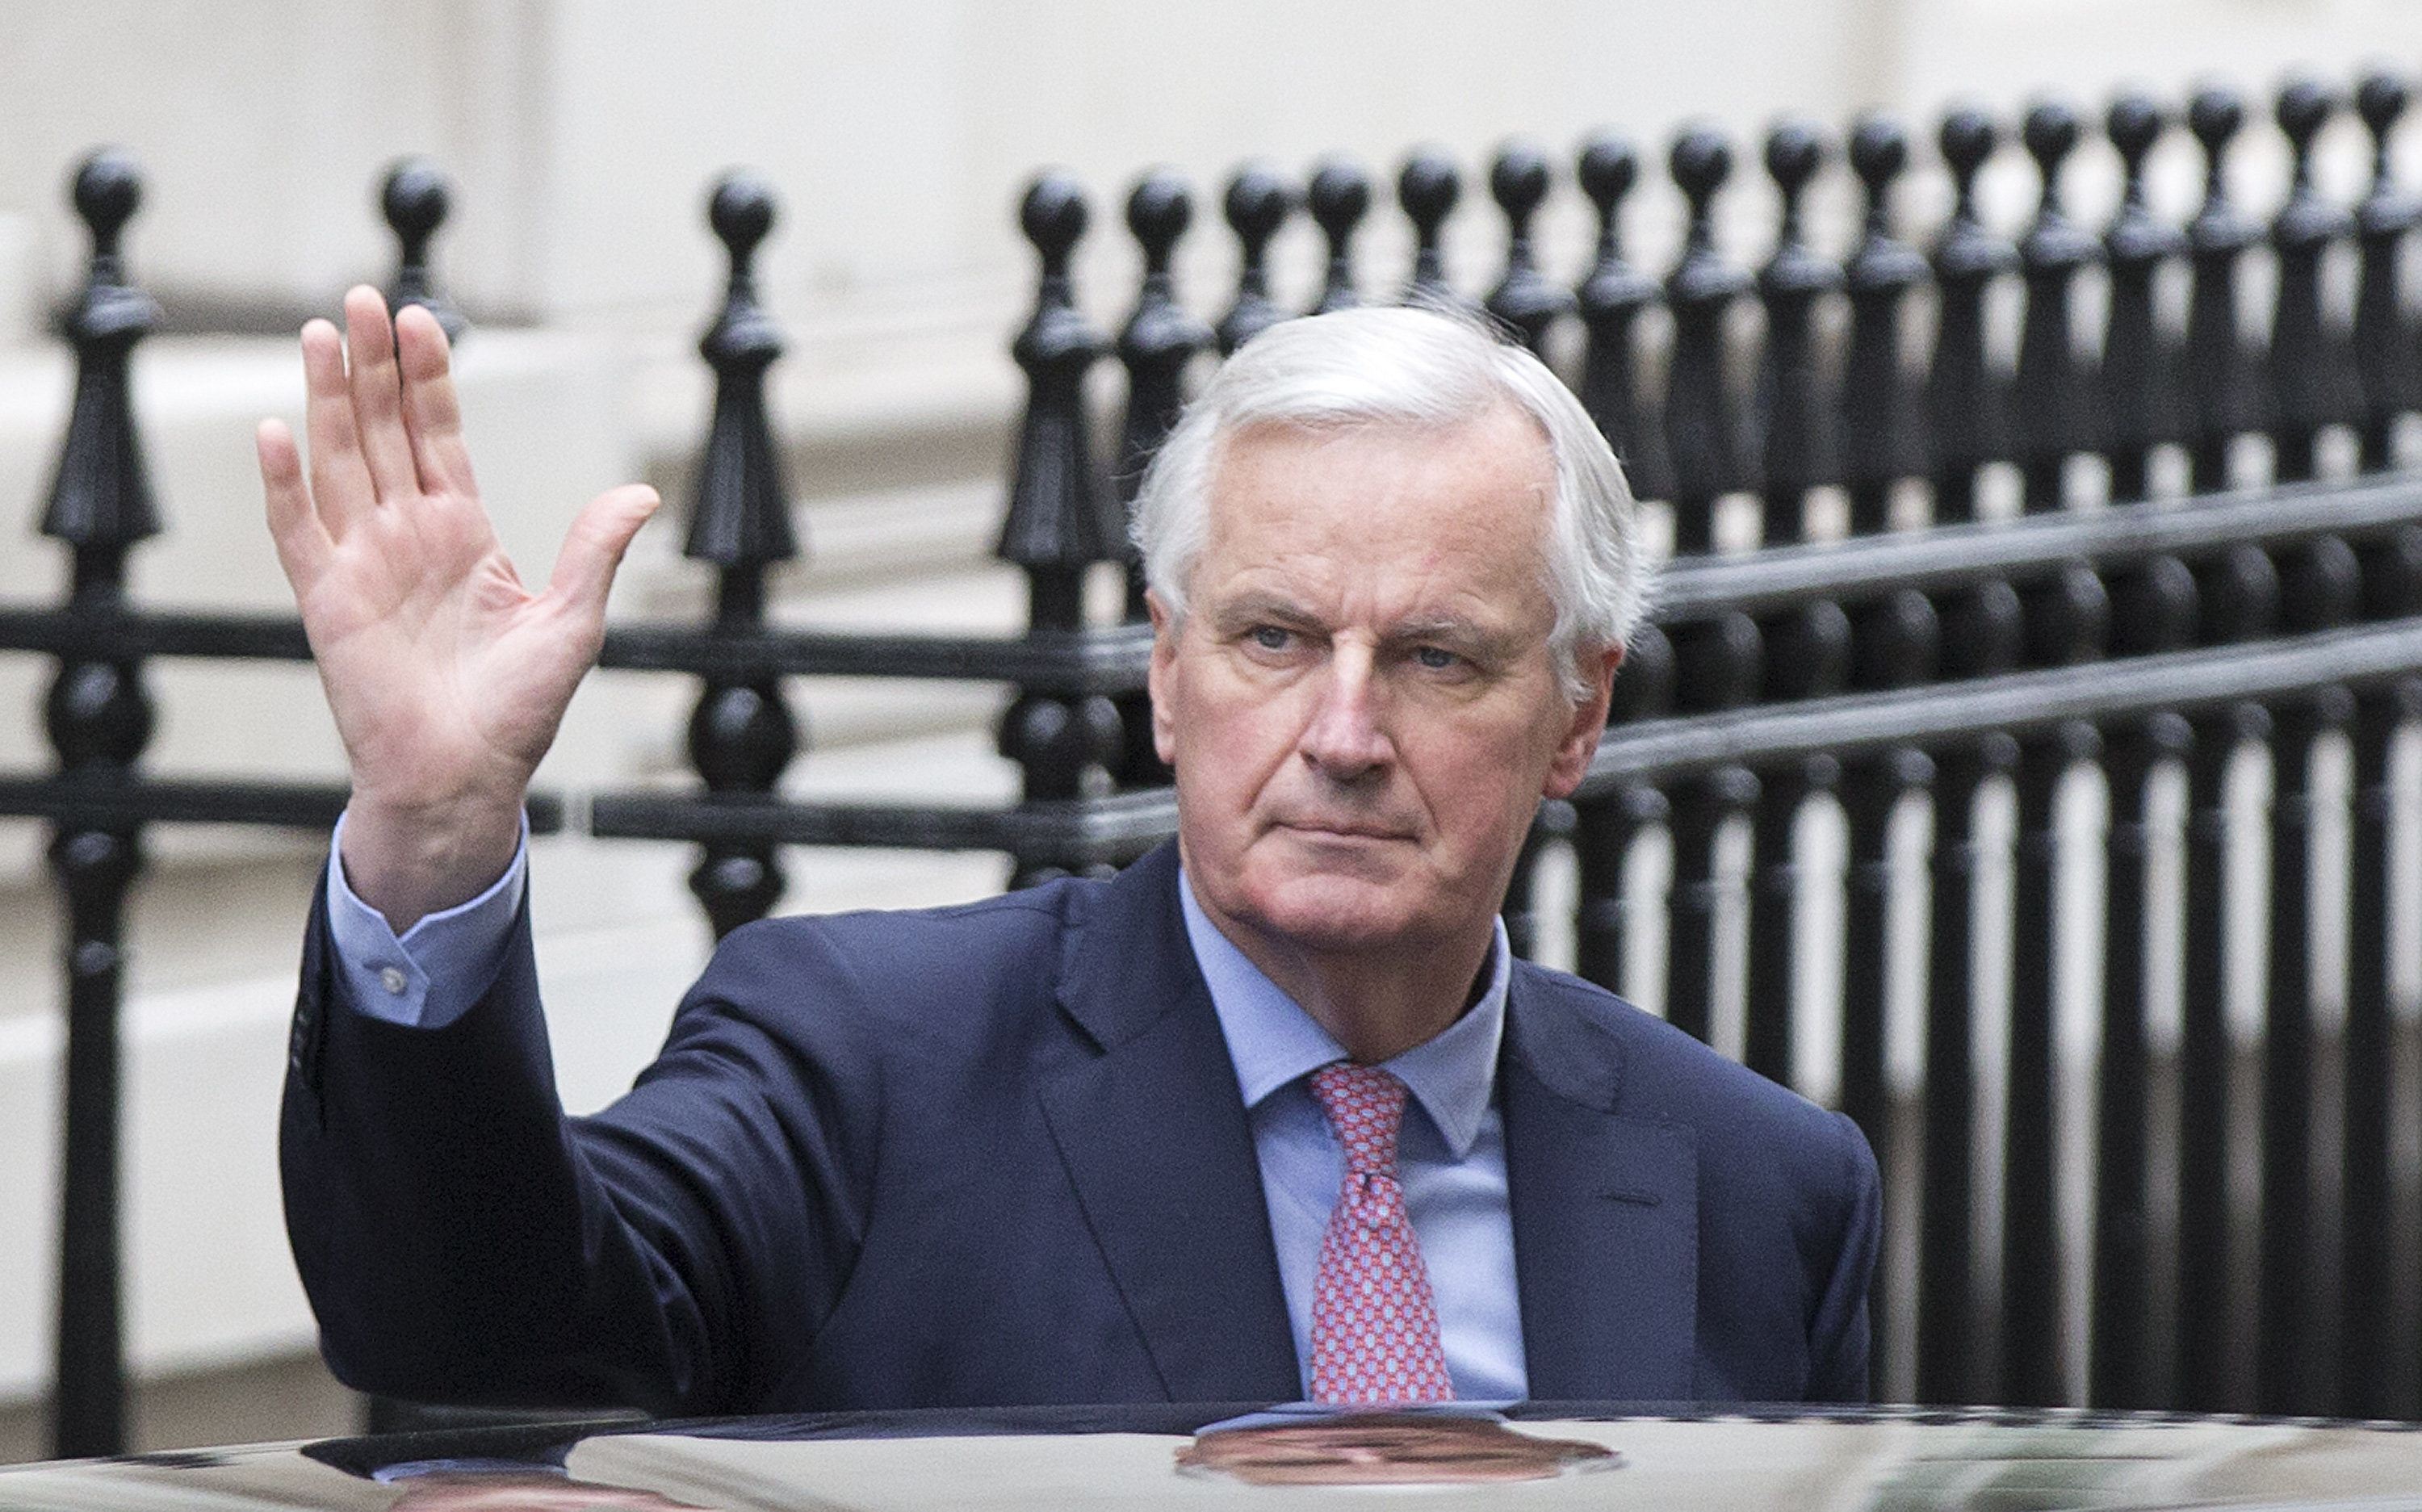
[[1273, 1041]]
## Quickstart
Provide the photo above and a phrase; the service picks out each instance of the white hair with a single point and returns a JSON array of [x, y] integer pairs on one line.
[[1407, 366]]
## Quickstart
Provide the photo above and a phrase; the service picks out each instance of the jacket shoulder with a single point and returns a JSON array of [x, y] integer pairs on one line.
[[963, 974], [908, 964], [1590, 1045]]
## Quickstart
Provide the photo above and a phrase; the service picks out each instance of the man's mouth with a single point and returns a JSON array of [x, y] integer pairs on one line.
[[1341, 829]]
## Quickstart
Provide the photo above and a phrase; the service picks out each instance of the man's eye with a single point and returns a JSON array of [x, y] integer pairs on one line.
[[1270, 636], [1437, 658]]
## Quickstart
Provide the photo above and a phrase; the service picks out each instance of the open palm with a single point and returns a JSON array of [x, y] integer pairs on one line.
[[447, 676]]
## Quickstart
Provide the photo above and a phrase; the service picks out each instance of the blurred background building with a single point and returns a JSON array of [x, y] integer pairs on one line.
[[581, 136]]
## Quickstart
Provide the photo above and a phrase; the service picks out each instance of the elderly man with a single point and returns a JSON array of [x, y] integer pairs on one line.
[[1271, 1114]]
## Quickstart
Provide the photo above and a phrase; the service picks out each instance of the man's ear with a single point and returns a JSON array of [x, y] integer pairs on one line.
[[1580, 742], [1159, 680]]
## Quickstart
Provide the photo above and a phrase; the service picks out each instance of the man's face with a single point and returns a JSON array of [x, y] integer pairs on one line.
[[1360, 707]]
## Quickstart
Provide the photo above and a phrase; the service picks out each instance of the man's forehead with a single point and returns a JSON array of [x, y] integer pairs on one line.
[[1469, 499]]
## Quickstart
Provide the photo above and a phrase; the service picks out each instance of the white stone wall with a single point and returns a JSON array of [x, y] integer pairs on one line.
[[581, 132]]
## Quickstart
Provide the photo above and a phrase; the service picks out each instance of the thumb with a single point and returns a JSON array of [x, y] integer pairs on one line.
[[593, 547]]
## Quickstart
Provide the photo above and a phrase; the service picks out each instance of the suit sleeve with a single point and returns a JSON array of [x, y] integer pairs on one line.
[[462, 1240], [1839, 1331]]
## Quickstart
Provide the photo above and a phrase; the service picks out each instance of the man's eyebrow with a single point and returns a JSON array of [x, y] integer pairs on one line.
[[1260, 608], [1233, 616], [1451, 630]]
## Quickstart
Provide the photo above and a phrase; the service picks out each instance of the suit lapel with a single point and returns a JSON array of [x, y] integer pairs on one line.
[[1154, 1136], [1605, 1213]]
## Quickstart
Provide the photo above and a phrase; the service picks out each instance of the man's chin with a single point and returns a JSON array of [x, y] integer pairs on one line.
[[1328, 911]]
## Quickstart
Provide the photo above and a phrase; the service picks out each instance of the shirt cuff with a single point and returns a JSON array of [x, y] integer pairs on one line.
[[441, 965]]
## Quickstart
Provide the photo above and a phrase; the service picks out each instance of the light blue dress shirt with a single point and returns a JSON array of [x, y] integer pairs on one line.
[[1451, 1154], [432, 975]]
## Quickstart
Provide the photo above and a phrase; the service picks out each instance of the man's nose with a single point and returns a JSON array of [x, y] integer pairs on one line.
[[1345, 737]]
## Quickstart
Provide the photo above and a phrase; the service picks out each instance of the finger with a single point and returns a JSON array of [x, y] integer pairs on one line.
[[378, 399], [302, 540], [593, 547], [432, 415], [341, 481]]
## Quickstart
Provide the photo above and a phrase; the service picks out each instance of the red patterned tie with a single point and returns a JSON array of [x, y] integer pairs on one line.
[[1374, 1329]]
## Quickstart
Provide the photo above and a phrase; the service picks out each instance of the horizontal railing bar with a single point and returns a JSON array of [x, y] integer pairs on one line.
[[1956, 556], [2013, 704], [71, 630], [1113, 829], [119, 803], [1110, 660]]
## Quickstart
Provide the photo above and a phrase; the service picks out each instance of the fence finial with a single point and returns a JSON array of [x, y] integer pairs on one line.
[[1258, 202], [2222, 399], [1060, 515], [2052, 423], [1340, 196], [1428, 188], [1791, 416], [414, 200], [1701, 434], [1156, 345], [2384, 343], [1878, 428], [741, 735], [1611, 300], [1159, 338], [1523, 298], [2135, 360], [100, 494], [1963, 393], [742, 518], [2310, 383]]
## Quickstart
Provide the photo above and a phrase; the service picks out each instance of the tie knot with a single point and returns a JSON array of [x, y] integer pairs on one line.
[[1366, 1106]]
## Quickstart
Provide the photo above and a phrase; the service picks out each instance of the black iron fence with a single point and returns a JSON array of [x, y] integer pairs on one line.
[[1977, 549]]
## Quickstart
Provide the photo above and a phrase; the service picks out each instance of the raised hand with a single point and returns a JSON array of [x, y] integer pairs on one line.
[[447, 676]]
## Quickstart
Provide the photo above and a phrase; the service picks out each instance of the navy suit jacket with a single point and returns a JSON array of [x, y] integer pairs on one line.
[[996, 1155]]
